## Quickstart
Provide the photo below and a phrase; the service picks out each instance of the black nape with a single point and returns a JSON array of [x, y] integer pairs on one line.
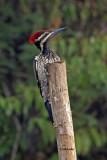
[[37, 43]]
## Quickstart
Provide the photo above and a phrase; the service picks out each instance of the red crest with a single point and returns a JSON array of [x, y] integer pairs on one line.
[[37, 35]]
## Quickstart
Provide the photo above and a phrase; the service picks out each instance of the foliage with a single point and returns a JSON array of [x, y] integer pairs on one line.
[[84, 48]]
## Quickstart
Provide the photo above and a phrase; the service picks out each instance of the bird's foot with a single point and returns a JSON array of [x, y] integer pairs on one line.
[[47, 74]]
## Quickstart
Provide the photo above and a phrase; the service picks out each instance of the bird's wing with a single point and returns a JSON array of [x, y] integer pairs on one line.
[[47, 103], [36, 75]]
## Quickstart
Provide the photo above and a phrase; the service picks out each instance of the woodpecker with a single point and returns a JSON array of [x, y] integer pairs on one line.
[[41, 39]]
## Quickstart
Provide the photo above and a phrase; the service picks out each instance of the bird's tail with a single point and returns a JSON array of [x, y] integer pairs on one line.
[[49, 109]]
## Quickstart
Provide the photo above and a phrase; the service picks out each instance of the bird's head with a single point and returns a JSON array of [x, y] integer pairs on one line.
[[42, 37]]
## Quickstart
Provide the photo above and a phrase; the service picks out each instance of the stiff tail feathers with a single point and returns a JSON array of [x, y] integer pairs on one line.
[[48, 107]]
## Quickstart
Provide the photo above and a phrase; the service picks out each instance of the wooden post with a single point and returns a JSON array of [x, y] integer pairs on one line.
[[58, 90]]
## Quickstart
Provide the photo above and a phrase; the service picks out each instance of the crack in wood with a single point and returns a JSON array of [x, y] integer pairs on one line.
[[62, 149]]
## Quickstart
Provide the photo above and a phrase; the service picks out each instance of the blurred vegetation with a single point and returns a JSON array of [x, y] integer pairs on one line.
[[84, 48]]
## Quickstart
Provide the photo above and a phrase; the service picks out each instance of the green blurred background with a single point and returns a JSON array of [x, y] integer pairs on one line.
[[25, 130]]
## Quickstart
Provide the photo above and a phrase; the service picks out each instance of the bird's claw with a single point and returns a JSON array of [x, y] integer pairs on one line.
[[47, 74]]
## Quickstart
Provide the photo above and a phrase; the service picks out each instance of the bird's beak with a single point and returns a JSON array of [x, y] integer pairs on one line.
[[54, 33]]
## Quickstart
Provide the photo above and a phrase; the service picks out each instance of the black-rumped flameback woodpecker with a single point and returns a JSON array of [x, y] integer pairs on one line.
[[41, 39]]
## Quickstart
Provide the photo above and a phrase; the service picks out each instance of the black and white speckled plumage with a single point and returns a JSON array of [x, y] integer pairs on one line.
[[41, 40], [40, 62]]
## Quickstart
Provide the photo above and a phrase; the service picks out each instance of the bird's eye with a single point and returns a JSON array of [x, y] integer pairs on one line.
[[46, 33]]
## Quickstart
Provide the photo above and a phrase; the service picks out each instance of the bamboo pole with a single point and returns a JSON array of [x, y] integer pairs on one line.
[[58, 90]]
